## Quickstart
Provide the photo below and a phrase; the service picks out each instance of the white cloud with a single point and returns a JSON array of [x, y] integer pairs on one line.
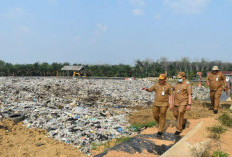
[[138, 7], [137, 12], [101, 27], [138, 3], [14, 13], [157, 17], [187, 6]]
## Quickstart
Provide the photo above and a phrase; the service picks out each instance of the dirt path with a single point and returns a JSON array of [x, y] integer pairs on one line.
[[21, 141], [224, 143]]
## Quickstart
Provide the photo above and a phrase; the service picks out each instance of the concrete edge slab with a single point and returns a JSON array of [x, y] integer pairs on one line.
[[183, 148]]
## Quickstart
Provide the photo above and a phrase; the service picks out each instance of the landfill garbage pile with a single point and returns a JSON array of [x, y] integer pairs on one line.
[[77, 111], [200, 93], [65, 91], [90, 92], [79, 125]]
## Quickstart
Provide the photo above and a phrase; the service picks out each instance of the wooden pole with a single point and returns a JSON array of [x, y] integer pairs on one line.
[[199, 83]]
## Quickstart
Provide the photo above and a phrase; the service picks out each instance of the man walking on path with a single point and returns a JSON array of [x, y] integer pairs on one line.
[[215, 81], [229, 84], [182, 101], [163, 91]]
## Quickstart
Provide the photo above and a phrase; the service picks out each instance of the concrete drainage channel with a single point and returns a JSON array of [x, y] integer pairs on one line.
[[181, 146], [184, 148]]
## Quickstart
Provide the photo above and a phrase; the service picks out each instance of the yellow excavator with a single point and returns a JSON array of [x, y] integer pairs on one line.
[[76, 73]]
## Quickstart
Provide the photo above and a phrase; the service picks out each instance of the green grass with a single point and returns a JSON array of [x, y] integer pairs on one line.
[[118, 140], [216, 131], [122, 139], [136, 127], [106, 145], [225, 120], [94, 146], [219, 153]]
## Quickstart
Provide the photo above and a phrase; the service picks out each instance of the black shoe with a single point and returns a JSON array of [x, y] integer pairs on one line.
[[215, 111], [159, 135], [177, 133], [184, 124]]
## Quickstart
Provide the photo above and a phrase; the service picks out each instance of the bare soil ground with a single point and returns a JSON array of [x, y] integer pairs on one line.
[[21, 141], [144, 115], [195, 116]]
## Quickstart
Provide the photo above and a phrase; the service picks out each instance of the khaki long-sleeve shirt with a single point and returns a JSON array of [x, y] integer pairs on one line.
[[182, 92], [162, 93], [215, 80]]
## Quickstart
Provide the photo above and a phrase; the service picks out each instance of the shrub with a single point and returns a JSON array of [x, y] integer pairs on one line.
[[216, 131], [225, 119], [219, 154]]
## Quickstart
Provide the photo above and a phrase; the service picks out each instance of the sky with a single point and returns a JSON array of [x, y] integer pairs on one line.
[[114, 31]]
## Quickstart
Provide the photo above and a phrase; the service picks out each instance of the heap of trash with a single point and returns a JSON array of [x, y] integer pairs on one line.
[[77, 111]]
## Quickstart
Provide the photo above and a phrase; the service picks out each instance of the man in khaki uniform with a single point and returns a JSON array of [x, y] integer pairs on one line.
[[215, 81], [229, 86], [163, 91], [183, 101]]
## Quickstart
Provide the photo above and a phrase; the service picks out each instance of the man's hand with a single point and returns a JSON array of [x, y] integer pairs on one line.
[[171, 107], [188, 108]]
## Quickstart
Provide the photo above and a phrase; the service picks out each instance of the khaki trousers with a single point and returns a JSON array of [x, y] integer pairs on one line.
[[215, 98], [159, 114], [178, 113]]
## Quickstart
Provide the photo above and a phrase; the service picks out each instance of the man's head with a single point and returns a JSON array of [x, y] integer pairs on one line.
[[181, 77], [162, 78], [215, 69]]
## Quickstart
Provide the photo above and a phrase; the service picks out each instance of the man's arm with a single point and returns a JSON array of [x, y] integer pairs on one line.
[[189, 91], [224, 79], [171, 102], [190, 99], [225, 83], [150, 89], [171, 98], [228, 87]]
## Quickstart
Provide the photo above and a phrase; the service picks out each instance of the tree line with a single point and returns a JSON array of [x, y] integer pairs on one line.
[[141, 68]]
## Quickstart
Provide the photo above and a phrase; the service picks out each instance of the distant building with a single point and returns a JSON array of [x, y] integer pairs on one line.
[[74, 69], [227, 73]]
